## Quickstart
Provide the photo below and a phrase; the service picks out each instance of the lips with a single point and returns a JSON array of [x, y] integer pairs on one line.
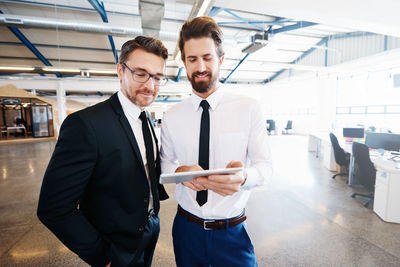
[[146, 94], [202, 76]]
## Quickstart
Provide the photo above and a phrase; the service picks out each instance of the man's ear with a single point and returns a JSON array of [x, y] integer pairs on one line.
[[119, 70], [221, 59]]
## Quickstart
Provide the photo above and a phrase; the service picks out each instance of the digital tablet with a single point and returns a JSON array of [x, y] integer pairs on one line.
[[179, 177]]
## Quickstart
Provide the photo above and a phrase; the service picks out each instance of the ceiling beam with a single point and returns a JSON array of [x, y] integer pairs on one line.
[[30, 46], [244, 20], [298, 25], [99, 7], [324, 41], [89, 10], [237, 66]]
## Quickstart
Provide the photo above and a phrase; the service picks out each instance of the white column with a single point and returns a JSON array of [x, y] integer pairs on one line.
[[62, 114], [33, 92]]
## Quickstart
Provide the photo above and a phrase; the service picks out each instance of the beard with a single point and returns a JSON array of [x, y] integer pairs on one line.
[[135, 98], [203, 86]]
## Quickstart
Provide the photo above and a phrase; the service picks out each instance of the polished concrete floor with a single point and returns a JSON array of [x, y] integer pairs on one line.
[[301, 218]]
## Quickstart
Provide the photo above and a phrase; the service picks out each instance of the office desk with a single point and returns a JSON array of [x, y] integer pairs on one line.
[[320, 143], [15, 128], [387, 190]]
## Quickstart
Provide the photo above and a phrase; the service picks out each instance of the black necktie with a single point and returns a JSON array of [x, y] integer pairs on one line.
[[148, 142], [204, 147]]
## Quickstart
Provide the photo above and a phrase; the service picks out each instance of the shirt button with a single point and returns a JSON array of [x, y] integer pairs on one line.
[[141, 228], [146, 200]]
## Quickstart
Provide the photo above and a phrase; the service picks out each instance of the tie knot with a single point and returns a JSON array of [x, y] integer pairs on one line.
[[204, 104], [143, 116]]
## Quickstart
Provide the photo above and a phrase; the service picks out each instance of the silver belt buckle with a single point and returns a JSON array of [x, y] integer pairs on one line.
[[204, 224]]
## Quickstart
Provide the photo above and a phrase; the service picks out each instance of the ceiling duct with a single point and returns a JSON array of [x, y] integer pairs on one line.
[[78, 26], [258, 41], [151, 12]]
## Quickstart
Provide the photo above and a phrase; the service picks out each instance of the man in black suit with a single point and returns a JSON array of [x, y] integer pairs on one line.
[[100, 193]]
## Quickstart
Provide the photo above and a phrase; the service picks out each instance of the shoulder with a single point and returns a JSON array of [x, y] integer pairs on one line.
[[89, 116], [180, 108], [242, 100], [96, 111]]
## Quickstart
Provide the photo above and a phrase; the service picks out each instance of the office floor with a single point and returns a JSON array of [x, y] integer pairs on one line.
[[301, 218]]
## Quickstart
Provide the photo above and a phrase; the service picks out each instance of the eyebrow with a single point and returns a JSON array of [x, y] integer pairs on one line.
[[205, 55], [142, 69]]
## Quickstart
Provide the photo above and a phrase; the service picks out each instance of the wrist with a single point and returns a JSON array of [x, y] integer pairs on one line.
[[245, 177]]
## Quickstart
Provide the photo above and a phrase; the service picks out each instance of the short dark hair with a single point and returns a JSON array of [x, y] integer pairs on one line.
[[201, 27], [149, 44]]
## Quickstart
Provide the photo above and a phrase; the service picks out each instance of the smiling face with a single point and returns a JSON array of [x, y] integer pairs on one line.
[[202, 65], [140, 94]]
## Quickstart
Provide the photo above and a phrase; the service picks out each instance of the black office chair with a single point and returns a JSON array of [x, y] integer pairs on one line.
[[271, 126], [342, 158], [288, 126], [364, 172]]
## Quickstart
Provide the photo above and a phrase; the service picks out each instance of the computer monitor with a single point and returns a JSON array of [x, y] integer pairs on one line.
[[387, 141], [353, 132]]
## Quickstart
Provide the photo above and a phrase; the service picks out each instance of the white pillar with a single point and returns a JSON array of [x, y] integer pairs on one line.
[[33, 92], [62, 114]]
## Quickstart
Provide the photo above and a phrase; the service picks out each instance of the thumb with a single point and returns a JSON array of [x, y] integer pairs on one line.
[[234, 164]]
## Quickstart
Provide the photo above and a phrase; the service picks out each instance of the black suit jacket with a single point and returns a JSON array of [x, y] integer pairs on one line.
[[95, 189]]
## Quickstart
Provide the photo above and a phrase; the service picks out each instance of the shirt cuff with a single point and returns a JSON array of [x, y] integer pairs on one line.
[[252, 178]]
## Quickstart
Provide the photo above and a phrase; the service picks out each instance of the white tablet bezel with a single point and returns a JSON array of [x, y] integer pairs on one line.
[[179, 177]]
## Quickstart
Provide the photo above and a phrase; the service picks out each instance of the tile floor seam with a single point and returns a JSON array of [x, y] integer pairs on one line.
[[19, 239], [17, 225]]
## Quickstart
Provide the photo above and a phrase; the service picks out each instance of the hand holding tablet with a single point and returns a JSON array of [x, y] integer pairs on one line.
[[180, 177]]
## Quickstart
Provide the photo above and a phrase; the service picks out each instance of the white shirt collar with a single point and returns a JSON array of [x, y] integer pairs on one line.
[[128, 107], [213, 99]]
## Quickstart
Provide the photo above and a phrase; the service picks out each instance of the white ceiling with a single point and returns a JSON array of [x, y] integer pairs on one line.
[[89, 50], [363, 15]]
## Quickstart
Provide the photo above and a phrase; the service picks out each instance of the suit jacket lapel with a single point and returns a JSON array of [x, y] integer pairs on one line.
[[126, 126], [163, 195], [131, 137]]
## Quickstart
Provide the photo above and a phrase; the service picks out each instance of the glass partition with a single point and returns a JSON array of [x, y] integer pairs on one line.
[[40, 121]]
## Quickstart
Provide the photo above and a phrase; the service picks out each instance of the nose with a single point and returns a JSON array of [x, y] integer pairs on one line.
[[150, 83], [201, 66]]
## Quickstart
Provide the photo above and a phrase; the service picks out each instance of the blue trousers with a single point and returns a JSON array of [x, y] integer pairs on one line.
[[196, 247]]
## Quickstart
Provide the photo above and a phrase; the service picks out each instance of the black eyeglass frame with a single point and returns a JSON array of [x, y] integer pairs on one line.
[[163, 81]]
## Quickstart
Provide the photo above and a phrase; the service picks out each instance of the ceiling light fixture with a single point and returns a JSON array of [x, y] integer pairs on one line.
[[60, 69], [103, 71], [258, 42], [17, 68]]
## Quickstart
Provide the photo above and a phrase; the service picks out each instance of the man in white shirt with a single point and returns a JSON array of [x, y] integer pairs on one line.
[[212, 129]]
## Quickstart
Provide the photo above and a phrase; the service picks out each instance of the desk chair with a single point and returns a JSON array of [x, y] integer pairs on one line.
[[364, 171], [342, 159], [271, 126], [288, 126]]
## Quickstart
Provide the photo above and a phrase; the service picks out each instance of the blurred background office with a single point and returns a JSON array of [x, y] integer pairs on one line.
[[327, 74]]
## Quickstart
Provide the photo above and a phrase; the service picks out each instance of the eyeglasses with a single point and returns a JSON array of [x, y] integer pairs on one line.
[[142, 76]]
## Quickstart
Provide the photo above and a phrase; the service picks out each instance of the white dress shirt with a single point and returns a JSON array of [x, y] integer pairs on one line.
[[237, 132], [132, 113]]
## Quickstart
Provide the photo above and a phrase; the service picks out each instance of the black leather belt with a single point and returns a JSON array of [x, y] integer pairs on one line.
[[211, 224]]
